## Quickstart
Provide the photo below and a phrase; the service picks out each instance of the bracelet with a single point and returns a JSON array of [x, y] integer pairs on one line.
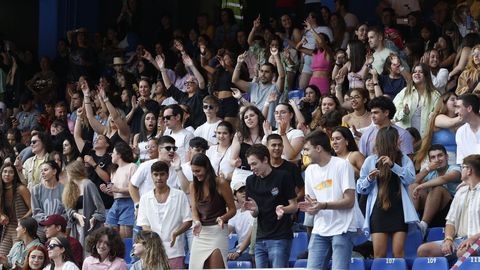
[[448, 238], [105, 100], [95, 167], [266, 104], [239, 251], [178, 169]]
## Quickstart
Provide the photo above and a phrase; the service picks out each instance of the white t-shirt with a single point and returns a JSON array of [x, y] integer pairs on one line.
[[67, 266], [311, 39], [207, 131], [328, 184], [440, 80], [468, 143], [164, 218], [241, 222], [379, 59], [291, 135], [220, 161], [142, 178], [182, 138]]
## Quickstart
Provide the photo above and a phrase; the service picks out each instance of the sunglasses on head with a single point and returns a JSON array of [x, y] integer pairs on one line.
[[170, 148]]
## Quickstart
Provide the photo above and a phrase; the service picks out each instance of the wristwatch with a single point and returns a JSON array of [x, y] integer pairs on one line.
[[238, 251]]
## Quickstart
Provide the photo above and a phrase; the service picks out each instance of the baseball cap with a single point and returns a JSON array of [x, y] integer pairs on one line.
[[54, 220], [238, 186]]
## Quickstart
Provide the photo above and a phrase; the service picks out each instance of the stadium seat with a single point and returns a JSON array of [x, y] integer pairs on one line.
[[435, 234], [128, 249], [299, 246], [389, 264], [301, 263], [471, 263], [430, 263], [239, 264], [357, 264], [232, 241], [413, 241]]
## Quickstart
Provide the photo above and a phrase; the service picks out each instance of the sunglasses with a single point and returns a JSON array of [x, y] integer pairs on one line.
[[170, 148], [52, 246], [167, 117], [210, 107], [33, 141]]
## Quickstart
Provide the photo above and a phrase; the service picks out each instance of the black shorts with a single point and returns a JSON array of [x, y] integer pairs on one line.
[[228, 107]]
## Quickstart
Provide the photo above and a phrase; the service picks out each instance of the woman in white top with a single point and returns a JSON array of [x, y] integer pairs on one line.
[[345, 147], [359, 119], [221, 153], [148, 130], [293, 139], [439, 75], [60, 255]]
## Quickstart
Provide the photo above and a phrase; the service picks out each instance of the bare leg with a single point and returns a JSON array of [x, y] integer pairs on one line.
[[398, 244], [304, 80], [380, 242], [418, 203], [437, 199], [215, 261], [430, 249]]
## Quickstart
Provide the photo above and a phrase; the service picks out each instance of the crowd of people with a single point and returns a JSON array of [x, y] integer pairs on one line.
[[181, 143]]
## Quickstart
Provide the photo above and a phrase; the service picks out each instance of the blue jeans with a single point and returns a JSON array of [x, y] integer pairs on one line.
[[338, 247], [272, 253]]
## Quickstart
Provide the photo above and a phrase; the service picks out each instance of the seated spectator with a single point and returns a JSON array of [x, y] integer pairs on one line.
[[439, 75], [166, 211], [27, 236], [149, 248], [41, 147], [360, 119], [106, 250], [434, 188], [26, 119], [467, 107], [468, 80], [462, 228], [242, 225], [56, 226], [60, 255], [393, 78]]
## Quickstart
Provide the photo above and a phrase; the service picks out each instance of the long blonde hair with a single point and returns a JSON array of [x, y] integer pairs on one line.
[[154, 256], [71, 192], [472, 71], [386, 144], [440, 108]]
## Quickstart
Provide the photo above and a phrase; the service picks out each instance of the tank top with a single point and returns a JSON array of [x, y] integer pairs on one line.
[[210, 210], [320, 62], [446, 138], [143, 148]]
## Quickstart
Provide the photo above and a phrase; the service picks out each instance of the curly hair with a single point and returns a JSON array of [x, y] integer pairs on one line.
[[115, 242], [154, 256]]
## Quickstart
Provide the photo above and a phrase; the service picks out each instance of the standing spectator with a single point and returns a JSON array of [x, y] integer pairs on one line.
[[330, 197], [60, 255], [382, 111], [208, 129], [27, 236], [166, 211], [351, 21], [385, 177], [148, 130], [84, 206], [106, 250], [393, 78], [344, 146], [37, 258], [142, 182], [210, 198], [122, 214], [173, 116], [221, 153], [56, 226], [16, 205], [467, 108], [415, 102], [47, 196], [360, 119], [259, 91], [225, 33], [149, 248], [141, 105], [272, 200], [376, 42], [30, 173], [44, 84]]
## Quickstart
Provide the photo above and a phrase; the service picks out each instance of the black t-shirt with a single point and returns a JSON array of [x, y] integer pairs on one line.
[[103, 162], [269, 192], [195, 103], [294, 173], [136, 121]]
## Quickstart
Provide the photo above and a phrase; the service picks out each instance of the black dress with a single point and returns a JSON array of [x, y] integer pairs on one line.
[[391, 220]]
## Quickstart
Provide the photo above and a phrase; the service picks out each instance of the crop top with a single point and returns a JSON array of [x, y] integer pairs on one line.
[[320, 62]]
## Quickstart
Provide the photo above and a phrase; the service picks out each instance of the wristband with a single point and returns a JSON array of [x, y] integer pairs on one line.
[[95, 167], [448, 238], [137, 205], [266, 104], [239, 251], [178, 169]]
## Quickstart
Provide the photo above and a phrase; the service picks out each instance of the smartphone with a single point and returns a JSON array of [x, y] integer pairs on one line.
[[402, 21]]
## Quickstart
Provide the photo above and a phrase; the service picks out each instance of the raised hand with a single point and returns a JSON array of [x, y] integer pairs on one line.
[[147, 55], [257, 22], [241, 57], [273, 51], [187, 60], [160, 60], [307, 25], [267, 128], [236, 93], [178, 45]]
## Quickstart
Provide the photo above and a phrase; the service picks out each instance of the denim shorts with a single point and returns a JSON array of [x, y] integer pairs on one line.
[[323, 248], [307, 64], [122, 212]]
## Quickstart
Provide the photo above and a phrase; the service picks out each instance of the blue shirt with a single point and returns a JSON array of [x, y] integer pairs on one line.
[[367, 141], [450, 186]]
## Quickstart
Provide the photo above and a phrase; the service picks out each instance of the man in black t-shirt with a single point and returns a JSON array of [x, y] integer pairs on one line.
[[271, 198], [275, 148]]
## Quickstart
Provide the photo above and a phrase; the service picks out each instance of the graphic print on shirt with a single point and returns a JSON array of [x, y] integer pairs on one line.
[[324, 184]]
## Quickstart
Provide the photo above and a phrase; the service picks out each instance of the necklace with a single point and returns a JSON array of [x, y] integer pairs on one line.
[[359, 116], [8, 187]]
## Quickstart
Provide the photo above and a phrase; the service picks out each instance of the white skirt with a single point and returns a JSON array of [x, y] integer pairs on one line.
[[210, 239]]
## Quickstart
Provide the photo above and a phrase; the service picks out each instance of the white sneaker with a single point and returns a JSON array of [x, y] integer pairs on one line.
[[423, 228]]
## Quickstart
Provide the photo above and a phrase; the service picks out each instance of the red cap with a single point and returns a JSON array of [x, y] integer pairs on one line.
[[54, 220]]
